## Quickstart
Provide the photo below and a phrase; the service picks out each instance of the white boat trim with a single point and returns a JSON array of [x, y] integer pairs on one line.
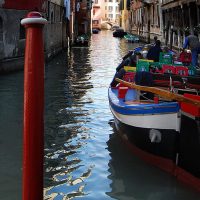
[[170, 121]]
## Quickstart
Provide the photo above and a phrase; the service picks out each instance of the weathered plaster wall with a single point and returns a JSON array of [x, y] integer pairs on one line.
[[11, 46]]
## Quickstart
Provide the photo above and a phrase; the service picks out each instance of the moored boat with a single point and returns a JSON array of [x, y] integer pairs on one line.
[[151, 126], [160, 124], [82, 40], [95, 31], [131, 38]]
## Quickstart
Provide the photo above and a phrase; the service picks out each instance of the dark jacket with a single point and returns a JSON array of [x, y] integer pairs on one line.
[[154, 53], [192, 41], [130, 61]]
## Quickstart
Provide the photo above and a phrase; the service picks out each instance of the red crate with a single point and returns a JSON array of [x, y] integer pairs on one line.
[[181, 70], [190, 108], [168, 69], [129, 76]]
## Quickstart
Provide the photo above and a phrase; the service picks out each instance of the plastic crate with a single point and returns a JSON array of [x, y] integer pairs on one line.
[[155, 67], [165, 58], [142, 66], [181, 70], [130, 69], [145, 61], [129, 76], [191, 70], [168, 69]]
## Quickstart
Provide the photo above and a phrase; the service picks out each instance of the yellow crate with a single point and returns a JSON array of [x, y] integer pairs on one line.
[[130, 69], [145, 60]]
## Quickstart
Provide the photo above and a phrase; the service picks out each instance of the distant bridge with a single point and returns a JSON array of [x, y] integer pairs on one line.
[[109, 23]]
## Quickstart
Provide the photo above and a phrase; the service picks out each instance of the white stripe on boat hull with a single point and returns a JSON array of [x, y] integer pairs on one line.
[[169, 121]]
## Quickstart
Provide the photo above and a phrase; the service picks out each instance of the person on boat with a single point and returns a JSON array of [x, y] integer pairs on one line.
[[192, 42], [165, 49], [130, 61], [155, 39], [128, 55], [154, 52]]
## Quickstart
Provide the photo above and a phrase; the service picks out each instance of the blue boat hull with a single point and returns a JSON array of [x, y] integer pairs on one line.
[[160, 134]]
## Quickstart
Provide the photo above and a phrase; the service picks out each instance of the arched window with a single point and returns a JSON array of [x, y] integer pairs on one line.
[[1, 29]]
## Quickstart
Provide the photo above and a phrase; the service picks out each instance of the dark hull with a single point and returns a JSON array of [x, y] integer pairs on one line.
[[161, 154], [176, 153], [79, 44], [119, 34], [189, 151]]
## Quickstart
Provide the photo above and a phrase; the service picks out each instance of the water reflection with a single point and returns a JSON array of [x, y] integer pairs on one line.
[[65, 133], [84, 157]]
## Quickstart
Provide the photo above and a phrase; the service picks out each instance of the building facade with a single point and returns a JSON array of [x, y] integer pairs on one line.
[[142, 17], [12, 34], [169, 20], [83, 20], [98, 14], [179, 18], [111, 11]]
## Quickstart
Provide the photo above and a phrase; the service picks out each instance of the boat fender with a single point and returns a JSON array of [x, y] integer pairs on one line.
[[155, 136]]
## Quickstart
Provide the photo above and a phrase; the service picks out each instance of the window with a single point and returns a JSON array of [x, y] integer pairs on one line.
[[158, 16], [48, 10], [105, 7], [1, 29], [117, 9], [96, 1], [110, 8], [110, 16], [110, 0], [95, 22]]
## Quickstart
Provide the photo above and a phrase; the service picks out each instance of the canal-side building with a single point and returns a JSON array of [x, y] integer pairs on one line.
[[83, 20], [179, 18], [12, 34], [97, 14], [124, 21], [111, 11], [105, 13], [145, 19]]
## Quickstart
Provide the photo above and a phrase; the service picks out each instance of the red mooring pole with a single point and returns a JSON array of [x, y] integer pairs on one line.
[[33, 144]]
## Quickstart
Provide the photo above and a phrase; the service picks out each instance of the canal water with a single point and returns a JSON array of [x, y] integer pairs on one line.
[[84, 156]]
